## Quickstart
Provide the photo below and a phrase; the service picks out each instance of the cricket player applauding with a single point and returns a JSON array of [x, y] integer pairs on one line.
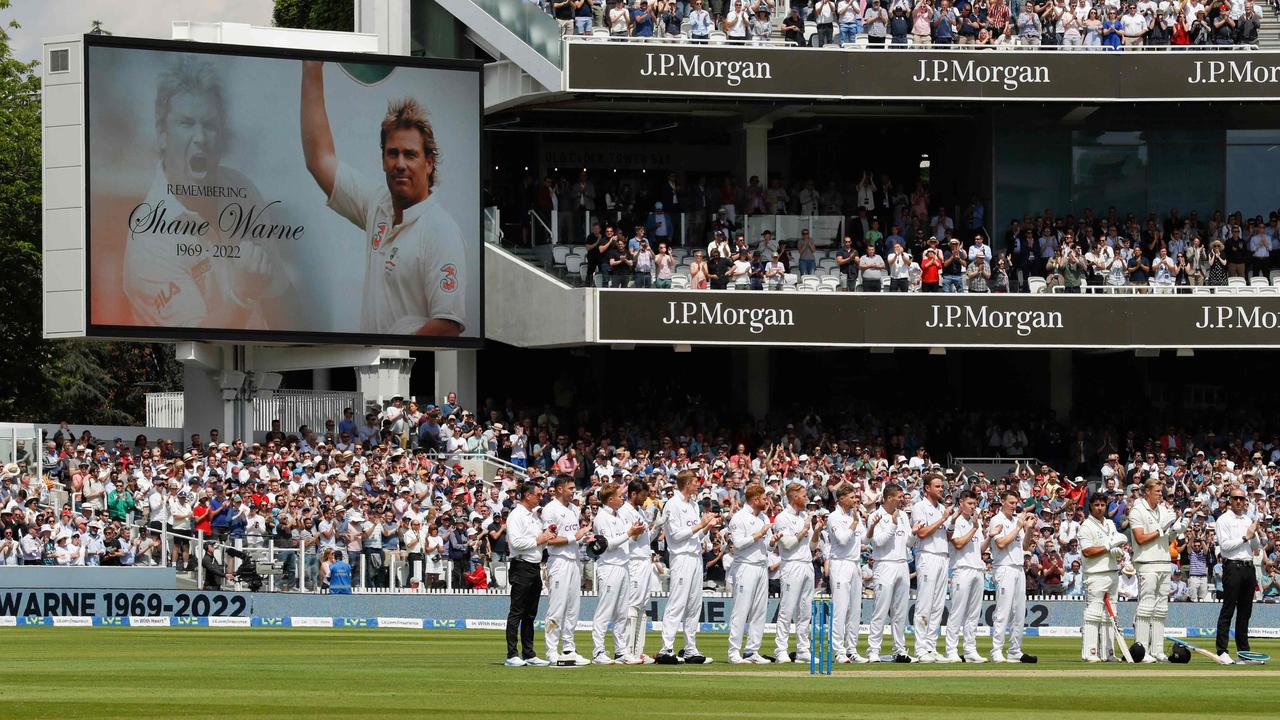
[[1102, 547], [845, 532], [967, 544], [797, 532], [891, 540], [564, 573], [1010, 539], [1153, 523], [612, 582], [639, 571], [750, 529], [927, 519], [685, 533]]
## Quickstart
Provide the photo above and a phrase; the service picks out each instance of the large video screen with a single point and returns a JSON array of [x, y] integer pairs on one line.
[[252, 195]]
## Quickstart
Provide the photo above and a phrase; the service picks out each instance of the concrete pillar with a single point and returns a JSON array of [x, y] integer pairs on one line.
[[383, 380], [456, 372], [1061, 391], [759, 381], [752, 146], [203, 407], [389, 20], [320, 379]]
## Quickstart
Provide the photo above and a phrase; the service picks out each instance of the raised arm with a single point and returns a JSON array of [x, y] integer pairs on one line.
[[317, 138]]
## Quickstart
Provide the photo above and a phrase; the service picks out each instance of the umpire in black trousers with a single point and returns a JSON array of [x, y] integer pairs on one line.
[[1237, 538], [526, 538]]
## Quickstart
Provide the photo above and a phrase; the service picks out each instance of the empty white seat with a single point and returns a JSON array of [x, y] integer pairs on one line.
[[1036, 284], [573, 263], [1267, 290], [790, 279], [1235, 281], [1201, 290], [559, 253], [1257, 280]]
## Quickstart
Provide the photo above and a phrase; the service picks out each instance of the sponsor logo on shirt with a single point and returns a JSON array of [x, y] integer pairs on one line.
[[379, 233]]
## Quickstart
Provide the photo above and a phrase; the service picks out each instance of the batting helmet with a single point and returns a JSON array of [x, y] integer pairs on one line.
[[1179, 654], [596, 547], [1137, 652]]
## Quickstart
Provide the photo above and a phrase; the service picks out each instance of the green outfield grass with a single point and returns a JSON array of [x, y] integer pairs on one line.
[[318, 673]]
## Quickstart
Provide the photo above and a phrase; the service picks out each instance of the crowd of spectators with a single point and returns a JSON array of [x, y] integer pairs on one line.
[[391, 493], [1104, 25], [904, 242]]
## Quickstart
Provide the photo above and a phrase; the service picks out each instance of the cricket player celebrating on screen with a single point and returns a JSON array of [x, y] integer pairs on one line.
[[1102, 547], [966, 545], [415, 264], [891, 541], [639, 571], [564, 572], [685, 532], [797, 532], [750, 531], [846, 532], [1152, 523], [612, 582], [167, 282], [1010, 538], [927, 519]]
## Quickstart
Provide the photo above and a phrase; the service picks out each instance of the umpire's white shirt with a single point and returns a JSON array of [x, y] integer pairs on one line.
[[522, 535], [414, 271]]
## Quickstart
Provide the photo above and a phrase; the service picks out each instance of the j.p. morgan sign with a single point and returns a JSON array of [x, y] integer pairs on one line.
[[936, 320], [702, 69]]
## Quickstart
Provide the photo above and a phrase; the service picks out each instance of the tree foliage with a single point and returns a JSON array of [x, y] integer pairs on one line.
[[315, 14], [84, 381]]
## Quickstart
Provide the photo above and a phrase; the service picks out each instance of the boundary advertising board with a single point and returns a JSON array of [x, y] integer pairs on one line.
[[916, 74], [711, 317]]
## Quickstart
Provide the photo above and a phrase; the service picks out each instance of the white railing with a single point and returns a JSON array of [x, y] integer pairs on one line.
[[860, 43], [293, 408]]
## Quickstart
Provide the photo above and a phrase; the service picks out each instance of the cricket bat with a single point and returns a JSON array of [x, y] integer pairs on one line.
[[1124, 648]]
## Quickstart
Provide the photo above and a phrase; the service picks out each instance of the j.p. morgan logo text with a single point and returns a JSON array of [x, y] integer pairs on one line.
[[730, 72], [1023, 322], [1236, 317], [703, 313], [1213, 72], [1010, 77]]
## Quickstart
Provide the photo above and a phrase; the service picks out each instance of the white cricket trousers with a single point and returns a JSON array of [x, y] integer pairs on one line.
[[639, 588], [564, 596], [1097, 634], [684, 604], [931, 599], [846, 606], [795, 611], [893, 593], [1011, 610], [966, 604], [750, 598], [1153, 605], [611, 608]]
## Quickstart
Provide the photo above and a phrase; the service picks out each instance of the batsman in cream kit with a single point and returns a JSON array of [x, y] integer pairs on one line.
[[252, 194]]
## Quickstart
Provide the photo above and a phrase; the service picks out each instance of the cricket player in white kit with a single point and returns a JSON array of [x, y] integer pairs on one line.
[[612, 582], [1152, 523], [1102, 547], [846, 533], [1010, 539], [928, 516], [564, 572], [966, 545], [639, 571], [750, 530], [797, 534], [891, 541], [414, 256], [685, 532]]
